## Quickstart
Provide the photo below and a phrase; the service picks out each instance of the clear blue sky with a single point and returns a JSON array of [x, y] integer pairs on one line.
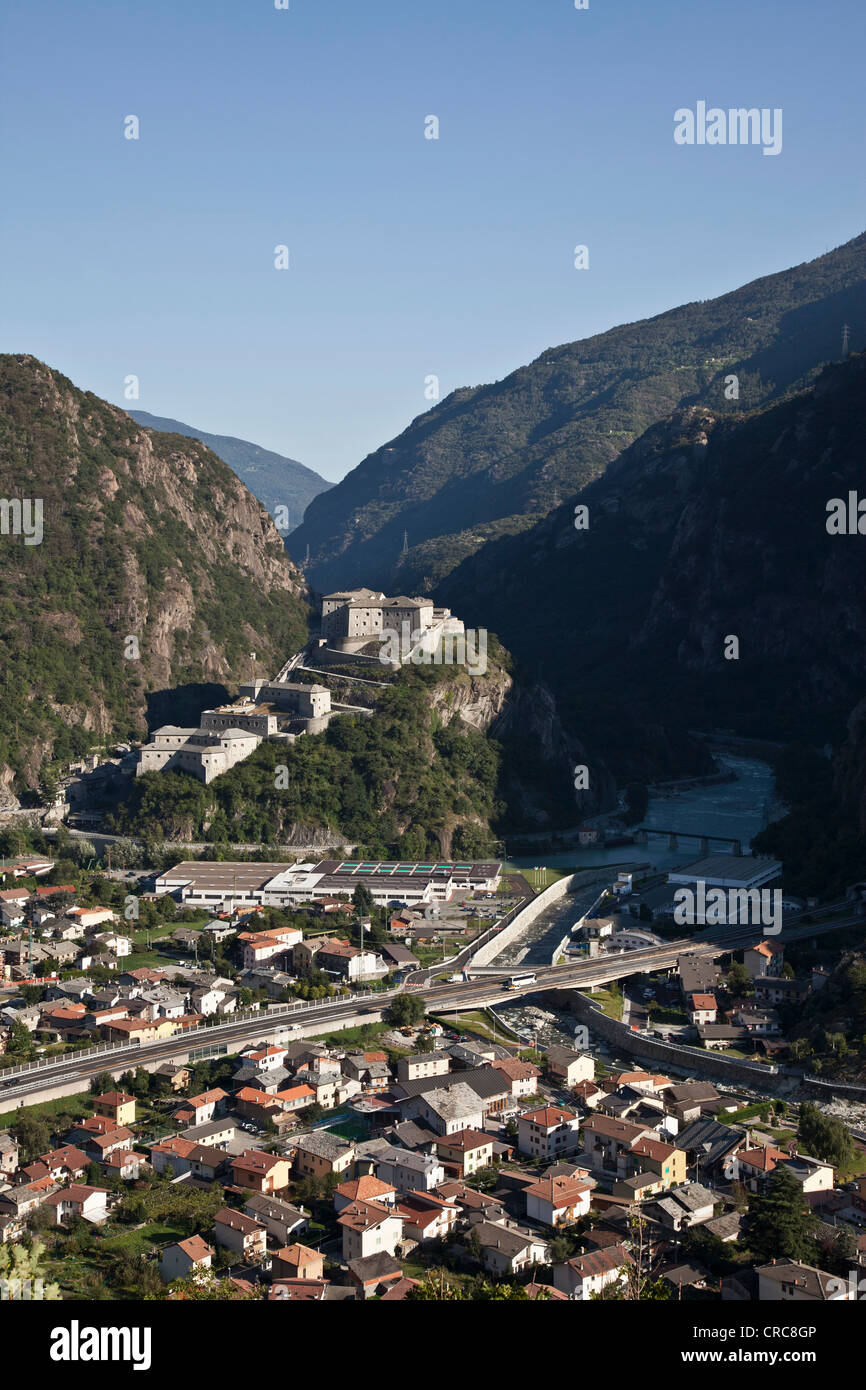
[[409, 256]]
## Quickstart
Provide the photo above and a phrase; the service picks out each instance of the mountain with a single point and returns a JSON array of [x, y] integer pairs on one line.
[[448, 764], [156, 569], [274, 480], [708, 528], [492, 460]]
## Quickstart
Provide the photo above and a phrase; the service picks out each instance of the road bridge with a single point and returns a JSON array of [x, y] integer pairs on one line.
[[22, 1085], [643, 832]]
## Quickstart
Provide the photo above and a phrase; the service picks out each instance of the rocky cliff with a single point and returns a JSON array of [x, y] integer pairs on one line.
[[151, 568]]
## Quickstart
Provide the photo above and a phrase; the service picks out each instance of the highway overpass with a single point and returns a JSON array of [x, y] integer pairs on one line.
[[25, 1084]]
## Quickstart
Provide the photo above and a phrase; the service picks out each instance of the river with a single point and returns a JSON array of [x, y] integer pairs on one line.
[[739, 808]]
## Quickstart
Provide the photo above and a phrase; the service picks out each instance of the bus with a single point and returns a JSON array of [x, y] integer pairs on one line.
[[527, 977]]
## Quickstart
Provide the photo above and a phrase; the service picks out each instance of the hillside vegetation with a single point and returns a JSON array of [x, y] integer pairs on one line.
[[157, 568], [492, 460]]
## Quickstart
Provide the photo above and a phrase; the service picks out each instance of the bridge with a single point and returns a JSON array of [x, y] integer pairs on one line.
[[23, 1084], [643, 832]]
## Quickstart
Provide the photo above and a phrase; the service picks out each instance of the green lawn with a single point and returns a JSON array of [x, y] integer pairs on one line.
[[78, 1106], [609, 1001], [480, 1023]]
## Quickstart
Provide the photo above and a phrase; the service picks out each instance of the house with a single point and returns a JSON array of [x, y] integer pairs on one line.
[[374, 1274], [427, 1216], [772, 989], [753, 1167], [177, 1076], [587, 1274], [548, 1133], [134, 1030], [569, 1066], [423, 1064], [89, 917], [467, 1150], [558, 1201], [767, 958], [587, 1094], [117, 1106], [99, 1146], [447, 1111], [111, 941], [523, 1077], [240, 1232], [295, 1097], [8, 1154], [19, 1202], [66, 1164], [90, 1203], [408, 1172], [265, 1059], [814, 1176], [760, 1022], [789, 1281], [124, 1163], [347, 962], [684, 1206], [298, 1262], [508, 1249], [257, 1171], [369, 1229], [280, 1219], [399, 957], [665, 1161], [319, 1154], [219, 1133], [185, 1259], [608, 1141], [298, 1290], [702, 1009], [366, 1188], [258, 947], [201, 1109], [183, 1156]]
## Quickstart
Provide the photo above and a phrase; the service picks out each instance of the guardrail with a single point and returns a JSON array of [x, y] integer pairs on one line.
[[221, 1022]]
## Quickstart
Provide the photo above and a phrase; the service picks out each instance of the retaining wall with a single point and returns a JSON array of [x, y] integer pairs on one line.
[[563, 886], [676, 1057]]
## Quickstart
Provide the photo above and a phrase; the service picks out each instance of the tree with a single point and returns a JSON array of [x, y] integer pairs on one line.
[[636, 802], [824, 1137], [25, 1264], [406, 1009], [33, 1135], [739, 979], [102, 1082], [781, 1226], [362, 900]]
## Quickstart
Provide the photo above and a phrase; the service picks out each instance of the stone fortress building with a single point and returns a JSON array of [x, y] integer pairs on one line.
[[264, 709], [352, 618]]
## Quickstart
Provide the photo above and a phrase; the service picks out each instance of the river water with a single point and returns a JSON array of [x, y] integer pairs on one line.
[[738, 809]]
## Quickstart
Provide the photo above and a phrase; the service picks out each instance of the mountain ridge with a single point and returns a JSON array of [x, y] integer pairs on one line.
[[274, 479], [501, 455], [157, 568]]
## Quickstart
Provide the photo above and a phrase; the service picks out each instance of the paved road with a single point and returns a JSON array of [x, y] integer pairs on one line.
[[465, 995]]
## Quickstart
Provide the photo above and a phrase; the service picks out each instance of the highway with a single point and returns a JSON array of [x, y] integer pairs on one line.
[[253, 1025]]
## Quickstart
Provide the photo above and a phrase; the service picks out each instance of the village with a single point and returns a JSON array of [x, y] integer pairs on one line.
[[434, 1147]]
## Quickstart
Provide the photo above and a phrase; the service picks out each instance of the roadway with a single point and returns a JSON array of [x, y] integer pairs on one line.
[[447, 997]]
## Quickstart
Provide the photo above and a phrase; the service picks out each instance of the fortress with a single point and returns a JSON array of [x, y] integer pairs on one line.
[[353, 617]]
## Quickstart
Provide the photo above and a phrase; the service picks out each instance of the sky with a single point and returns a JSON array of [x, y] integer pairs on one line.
[[409, 258]]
